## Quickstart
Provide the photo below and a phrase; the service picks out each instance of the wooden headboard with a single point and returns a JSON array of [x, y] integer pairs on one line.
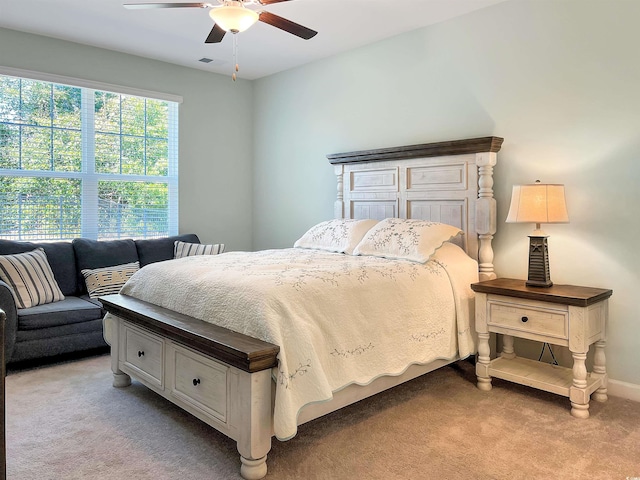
[[449, 182]]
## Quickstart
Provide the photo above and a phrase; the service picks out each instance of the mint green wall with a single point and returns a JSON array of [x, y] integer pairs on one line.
[[216, 150], [557, 79]]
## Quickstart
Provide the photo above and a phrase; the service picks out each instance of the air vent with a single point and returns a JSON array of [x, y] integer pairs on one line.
[[214, 62]]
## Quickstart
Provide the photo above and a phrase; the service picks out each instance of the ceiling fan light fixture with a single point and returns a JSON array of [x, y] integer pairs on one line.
[[232, 18]]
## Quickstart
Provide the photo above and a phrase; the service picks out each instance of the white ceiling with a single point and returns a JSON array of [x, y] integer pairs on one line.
[[177, 35]]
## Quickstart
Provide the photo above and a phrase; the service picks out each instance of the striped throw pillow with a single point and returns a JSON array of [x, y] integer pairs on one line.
[[184, 249], [108, 280], [30, 277]]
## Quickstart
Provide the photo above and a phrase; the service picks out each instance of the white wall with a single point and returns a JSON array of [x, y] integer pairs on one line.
[[215, 148], [557, 79]]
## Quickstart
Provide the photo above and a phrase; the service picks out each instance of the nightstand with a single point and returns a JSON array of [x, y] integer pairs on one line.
[[566, 315]]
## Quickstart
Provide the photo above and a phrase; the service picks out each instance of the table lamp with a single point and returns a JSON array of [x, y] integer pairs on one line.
[[538, 203]]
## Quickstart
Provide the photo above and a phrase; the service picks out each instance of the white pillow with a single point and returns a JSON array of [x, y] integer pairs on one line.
[[30, 277], [340, 235], [184, 249], [108, 280], [415, 240]]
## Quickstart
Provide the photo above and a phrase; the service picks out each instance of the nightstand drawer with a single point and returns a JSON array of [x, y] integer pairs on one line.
[[541, 321]]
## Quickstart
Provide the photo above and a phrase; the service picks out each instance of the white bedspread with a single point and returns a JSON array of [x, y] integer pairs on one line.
[[338, 319]]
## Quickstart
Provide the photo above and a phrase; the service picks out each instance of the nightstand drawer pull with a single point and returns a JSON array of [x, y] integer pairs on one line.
[[524, 319]]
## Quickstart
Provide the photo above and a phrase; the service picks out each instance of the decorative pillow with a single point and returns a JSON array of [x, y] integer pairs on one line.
[[415, 240], [108, 280], [184, 249], [340, 235], [30, 277]]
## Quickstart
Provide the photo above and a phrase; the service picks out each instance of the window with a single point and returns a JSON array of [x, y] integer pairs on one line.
[[85, 162]]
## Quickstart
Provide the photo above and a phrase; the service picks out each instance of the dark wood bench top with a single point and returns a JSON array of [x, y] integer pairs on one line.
[[235, 349]]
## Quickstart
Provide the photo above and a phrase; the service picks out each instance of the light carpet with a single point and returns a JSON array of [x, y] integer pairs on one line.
[[66, 421]]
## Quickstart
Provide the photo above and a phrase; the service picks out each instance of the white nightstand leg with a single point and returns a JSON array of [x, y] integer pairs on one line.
[[507, 347], [484, 358], [600, 369], [578, 392]]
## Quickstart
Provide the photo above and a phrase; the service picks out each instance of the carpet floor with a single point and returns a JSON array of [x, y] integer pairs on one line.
[[66, 421]]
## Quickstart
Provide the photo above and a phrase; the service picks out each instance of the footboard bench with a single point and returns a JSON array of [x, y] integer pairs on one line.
[[220, 376]]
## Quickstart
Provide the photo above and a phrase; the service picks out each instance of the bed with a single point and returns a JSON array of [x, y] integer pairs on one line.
[[332, 327]]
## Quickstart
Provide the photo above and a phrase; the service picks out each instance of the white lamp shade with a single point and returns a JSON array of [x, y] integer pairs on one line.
[[233, 18], [538, 203]]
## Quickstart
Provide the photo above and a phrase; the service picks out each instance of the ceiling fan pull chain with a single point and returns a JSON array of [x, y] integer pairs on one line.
[[235, 56]]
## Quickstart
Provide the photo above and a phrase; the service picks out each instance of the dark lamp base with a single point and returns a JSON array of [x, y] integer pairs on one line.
[[539, 275]]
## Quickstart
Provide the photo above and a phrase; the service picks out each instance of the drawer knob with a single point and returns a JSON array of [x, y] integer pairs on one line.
[[140, 353], [196, 382], [524, 319]]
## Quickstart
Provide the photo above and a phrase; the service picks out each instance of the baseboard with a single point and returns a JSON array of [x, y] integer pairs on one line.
[[630, 391]]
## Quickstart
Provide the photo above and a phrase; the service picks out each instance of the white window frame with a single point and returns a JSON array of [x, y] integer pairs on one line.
[[88, 175]]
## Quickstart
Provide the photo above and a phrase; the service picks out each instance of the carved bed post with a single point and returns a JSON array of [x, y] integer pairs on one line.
[[256, 426], [338, 206], [485, 214], [113, 325]]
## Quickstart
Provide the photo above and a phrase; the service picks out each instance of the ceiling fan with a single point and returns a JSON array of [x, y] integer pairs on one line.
[[233, 16]]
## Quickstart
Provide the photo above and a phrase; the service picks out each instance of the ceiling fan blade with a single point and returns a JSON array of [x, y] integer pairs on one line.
[[216, 35], [287, 25], [133, 6], [269, 2]]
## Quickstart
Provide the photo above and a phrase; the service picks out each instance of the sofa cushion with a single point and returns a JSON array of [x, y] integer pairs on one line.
[[48, 342], [30, 278], [92, 254], [160, 249], [61, 259], [95, 301], [65, 312], [55, 333]]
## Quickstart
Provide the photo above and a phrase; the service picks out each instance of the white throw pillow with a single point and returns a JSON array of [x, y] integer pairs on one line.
[[108, 280], [184, 249], [340, 235], [415, 240], [30, 277]]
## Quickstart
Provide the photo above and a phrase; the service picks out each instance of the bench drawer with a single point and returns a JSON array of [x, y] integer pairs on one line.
[[199, 381], [144, 354]]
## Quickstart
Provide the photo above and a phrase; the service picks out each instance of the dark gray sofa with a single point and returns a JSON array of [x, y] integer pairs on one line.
[[75, 323]]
